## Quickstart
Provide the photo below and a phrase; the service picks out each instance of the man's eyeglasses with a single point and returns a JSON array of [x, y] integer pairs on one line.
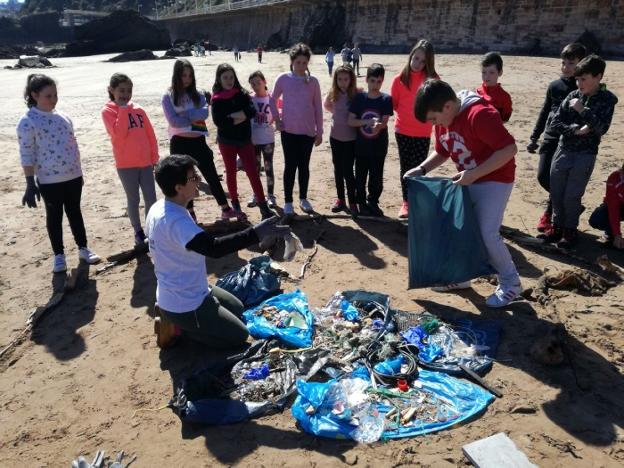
[[193, 178]]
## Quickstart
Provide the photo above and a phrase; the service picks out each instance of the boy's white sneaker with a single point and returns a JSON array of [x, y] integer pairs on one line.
[[288, 209], [503, 296], [305, 206], [60, 265], [252, 203], [452, 287], [88, 256]]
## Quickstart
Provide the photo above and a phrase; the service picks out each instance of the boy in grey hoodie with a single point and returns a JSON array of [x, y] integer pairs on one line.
[[581, 120]]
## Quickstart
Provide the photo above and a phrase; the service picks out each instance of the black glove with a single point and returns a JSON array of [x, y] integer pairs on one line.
[[532, 147], [32, 191], [269, 228]]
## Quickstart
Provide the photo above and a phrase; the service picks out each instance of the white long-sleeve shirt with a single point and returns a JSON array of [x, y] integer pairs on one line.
[[47, 142]]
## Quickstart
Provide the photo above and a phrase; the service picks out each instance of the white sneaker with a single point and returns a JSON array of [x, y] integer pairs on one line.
[[305, 206], [60, 265], [503, 296], [288, 209], [252, 202], [88, 256], [271, 201], [452, 287]]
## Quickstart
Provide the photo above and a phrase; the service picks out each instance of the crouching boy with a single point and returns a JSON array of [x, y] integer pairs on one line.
[[471, 132]]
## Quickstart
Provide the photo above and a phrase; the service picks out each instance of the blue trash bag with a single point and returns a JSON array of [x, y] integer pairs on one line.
[[294, 302], [459, 402], [253, 283], [445, 244]]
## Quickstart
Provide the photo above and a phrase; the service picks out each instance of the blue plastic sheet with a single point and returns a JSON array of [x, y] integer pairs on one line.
[[253, 283], [467, 400], [295, 302], [445, 244]]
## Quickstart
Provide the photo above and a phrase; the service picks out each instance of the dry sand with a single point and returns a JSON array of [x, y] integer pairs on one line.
[[93, 360]]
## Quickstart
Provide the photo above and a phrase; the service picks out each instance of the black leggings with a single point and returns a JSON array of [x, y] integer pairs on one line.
[[297, 152], [64, 195], [370, 166], [343, 157], [547, 150], [412, 152], [197, 149]]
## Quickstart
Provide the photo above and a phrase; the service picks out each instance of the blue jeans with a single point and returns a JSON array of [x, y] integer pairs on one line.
[[569, 174]]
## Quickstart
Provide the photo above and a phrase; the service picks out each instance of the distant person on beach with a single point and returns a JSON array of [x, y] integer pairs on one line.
[[263, 134], [329, 59], [413, 137], [236, 54], [491, 89], [135, 149], [179, 247], [51, 162], [369, 113], [232, 112], [342, 138], [301, 123], [356, 55], [555, 94], [208, 47], [346, 54], [470, 131], [186, 111], [582, 119], [259, 51]]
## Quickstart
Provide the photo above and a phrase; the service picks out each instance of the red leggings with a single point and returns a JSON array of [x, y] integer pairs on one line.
[[247, 154]]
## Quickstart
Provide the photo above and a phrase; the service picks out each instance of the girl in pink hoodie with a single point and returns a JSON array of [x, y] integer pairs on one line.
[[413, 137], [134, 146]]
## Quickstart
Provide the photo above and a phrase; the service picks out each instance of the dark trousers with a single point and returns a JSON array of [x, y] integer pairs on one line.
[[297, 152], [599, 219], [343, 157], [356, 67], [547, 150], [58, 197], [370, 165], [330, 67], [197, 149], [216, 322], [412, 152]]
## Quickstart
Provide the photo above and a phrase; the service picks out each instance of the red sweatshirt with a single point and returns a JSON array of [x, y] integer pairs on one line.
[[474, 135], [132, 135], [499, 98], [614, 199]]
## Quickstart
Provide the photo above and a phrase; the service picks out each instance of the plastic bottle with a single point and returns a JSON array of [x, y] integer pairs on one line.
[[371, 426]]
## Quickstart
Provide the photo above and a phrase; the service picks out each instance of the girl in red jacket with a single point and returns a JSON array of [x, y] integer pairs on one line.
[[134, 147], [413, 137]]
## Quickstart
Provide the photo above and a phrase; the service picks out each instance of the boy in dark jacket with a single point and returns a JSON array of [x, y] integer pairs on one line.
[[555, 94], [581, 120]]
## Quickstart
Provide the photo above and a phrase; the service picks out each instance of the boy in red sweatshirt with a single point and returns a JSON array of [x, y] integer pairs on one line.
[[134, 146], [607, 216], [491, 90]]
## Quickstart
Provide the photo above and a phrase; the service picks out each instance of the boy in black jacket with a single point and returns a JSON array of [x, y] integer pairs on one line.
[[555, 94], [581, 120]]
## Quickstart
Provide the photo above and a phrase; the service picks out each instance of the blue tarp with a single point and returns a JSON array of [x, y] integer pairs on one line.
[[294, 302], [445, 244], [467, 401]]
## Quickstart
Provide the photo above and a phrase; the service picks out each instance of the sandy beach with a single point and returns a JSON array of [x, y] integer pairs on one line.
[[74, 385]]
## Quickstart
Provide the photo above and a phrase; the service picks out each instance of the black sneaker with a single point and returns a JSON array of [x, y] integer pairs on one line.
[[375, 210], [569, 238], [364, 210], [265, 211]]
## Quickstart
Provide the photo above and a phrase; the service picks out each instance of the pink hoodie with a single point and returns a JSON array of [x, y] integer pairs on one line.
[[132, 135], [302, 112]]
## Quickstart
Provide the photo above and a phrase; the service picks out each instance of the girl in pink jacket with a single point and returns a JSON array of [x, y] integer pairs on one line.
[[134, 146]]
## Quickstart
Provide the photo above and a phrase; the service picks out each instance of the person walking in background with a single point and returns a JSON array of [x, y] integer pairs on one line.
[[356, 55], [413, 137], [259, 50], [51, 162], [134, 147], [345, 54], [329, 59], [491, 89]]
